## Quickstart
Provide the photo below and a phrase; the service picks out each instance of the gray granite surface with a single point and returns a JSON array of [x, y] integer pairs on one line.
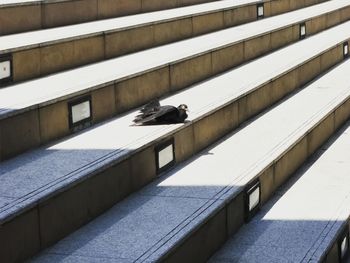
[[38, 174], [301, 222], [31, 94], [148, 224]]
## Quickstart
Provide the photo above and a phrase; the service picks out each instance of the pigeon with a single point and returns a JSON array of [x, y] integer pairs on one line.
[[154, 113]]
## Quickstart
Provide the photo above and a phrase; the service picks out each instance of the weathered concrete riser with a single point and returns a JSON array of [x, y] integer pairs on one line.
[[231, 217], [38, 126], [51, 58], [63, 213], [48, 14], [332, 254]]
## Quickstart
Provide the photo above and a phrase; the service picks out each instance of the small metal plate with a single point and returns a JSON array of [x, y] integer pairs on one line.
[[302, 30], [344, 247], [260, 11], [80, 113], [252, 199], [343, 244], [165, 155], [346, 49], [5, 69]]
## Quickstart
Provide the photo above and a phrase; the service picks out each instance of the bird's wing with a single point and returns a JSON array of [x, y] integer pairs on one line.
[[155, 114], [151, 106]]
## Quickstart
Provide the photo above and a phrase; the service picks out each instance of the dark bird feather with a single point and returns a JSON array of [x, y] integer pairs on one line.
[[154, 113], [151, 106]]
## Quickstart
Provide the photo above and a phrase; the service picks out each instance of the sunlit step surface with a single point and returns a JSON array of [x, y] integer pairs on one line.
[[42, 52], [129, 81], [98, 167], [47, 90], [44, 37], [50, 13], [306, 218], [154, 223], [77, 156]]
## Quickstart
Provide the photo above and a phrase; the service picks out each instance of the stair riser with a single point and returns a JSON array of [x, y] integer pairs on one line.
[[45, 123], [50, 58], [331, 255], [52, 14], [229, 219], [64, 212]]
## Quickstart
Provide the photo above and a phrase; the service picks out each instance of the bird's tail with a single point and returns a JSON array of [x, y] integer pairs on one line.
[[140, 118]]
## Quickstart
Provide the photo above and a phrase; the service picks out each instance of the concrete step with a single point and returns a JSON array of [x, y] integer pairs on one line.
[[189, 213], [40, 108], [52, 13], [307, 220], [43, 52], [48, 193]]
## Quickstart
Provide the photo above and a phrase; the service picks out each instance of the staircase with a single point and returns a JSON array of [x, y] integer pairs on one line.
[[267, 86]]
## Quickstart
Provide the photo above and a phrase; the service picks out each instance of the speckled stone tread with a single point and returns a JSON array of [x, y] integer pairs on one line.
[[147, 225], [55, 167], [304, 218], [32, 94]]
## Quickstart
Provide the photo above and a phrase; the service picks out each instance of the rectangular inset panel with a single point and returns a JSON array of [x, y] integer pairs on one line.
[[165, 155], [252, 202], [346, 49], [302, 31], [343, 245], [80, 113], [260, 11], [5, 69]]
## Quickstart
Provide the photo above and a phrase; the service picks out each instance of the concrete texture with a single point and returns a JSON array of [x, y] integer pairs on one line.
[[162, 219], [26, 64], [139, 90], [112, 8], [4, 201], [53, 121], [103, 103], [19, 133], [68, 12], [128, 92], [53, 14], [23, 22], [136, 216], [57, 13], [70, 158], [92, 152], [168, 56], [20, 237], [111, 38], [303, 221]]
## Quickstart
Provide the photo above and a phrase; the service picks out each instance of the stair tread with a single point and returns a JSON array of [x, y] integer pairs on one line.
[[70, 159], [6, 3], [15, 99], [144, 226], [23, 41], [300, 222], [73, 158]]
